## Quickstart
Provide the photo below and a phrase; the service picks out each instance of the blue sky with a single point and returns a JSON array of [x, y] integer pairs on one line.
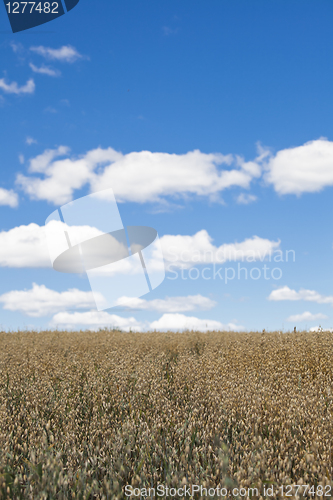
[[215, 120]]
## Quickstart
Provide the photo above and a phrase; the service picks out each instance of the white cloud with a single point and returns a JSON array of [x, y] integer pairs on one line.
[[182, 322], [30, 140], [169, 304], [183, 251], [186, 250], [93, 320], [41, 301], [66, 53], [45, 70], [245, 199], [24, 246], [306, 316], [13, 88], [62, 176], [286, 293], [303, 169], [146, 176], [21, 159], [139, 176], [41, 162], [320, 329], [8, 197]]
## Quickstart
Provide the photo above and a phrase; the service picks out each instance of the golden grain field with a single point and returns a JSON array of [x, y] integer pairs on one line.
[[84, 414]]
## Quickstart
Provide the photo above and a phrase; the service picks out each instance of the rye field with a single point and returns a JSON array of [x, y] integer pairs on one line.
[[86, 414]]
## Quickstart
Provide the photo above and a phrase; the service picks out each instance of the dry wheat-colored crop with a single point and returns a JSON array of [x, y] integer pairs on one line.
[[83, 414]]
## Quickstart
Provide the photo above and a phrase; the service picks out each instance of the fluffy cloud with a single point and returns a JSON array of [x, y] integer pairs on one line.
[[24, 246], [44, 70], [40, 163], [14, 88], [306, 316], [8, 197], [302, 169], [182, 322], [94, 320], [169, 304], [286, 293], [62, 177], [186, 250], [66, 53], [41, 301], [139, 176], [151, 177]]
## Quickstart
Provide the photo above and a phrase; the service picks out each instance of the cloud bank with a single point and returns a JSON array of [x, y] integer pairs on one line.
[[94, 320], [26, 246], [41, 301], [174, 322], [145, 176], [181, 322], [135, 177]]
